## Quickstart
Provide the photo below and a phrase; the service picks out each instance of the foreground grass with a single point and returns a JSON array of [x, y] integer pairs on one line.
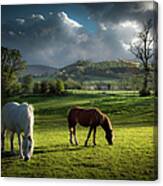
[[133, 155]]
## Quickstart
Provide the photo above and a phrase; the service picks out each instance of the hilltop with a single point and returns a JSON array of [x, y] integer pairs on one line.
[[40, 70], [106, 70]]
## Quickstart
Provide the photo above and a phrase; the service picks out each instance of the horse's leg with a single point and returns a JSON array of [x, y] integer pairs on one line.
[[12, 142], [3, 132], [88, 136], [20, 146], [94, 136], [75, 138], [71, 131]]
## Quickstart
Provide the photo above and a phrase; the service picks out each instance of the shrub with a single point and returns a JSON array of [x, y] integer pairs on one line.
[[52, 87], [59, 87], [144, 93], [44, 87], [37, 88], [72, 84], [27, 84]]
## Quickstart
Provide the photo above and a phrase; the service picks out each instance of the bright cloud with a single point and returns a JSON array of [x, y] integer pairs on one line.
[[68, 21], [130, 24], [126, 46], [11, 33], [38, 17], [50, 13], [135, 40], [20, 21], [103, 26]]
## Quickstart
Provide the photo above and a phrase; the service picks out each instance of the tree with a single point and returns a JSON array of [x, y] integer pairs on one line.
[[11, 65], [72, 84], [143, 50], [59, 87], [37, 87], [52, 87], [44, 87], [27, 84]]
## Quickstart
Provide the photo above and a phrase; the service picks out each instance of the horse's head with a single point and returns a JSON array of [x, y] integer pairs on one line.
[[27, 147], [110, 137], [107, 126]]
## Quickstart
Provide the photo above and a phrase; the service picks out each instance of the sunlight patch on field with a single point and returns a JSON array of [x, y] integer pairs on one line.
[[133, 155]]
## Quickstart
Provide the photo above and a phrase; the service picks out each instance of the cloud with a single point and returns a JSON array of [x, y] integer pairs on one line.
[[50, 13], [11, 33], [103, 26], [55, 44], [130, 24], [83, 37], [126, 46], [116, 12], [20, 21], [60, 40], [68, 21], [38, 17]]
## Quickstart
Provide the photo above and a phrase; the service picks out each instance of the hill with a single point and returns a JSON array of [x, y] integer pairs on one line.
[[115, 75], [109, 70], [40, 70]]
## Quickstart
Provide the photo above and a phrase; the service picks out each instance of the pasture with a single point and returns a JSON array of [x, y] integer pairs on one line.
[[133, 155]]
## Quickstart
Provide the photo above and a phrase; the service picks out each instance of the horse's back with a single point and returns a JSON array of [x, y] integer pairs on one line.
[[85, 117], [14, 115]]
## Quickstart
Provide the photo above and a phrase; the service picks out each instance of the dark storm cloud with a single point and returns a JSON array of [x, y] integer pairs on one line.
[[116, 12], [35, 34], [58, 40]]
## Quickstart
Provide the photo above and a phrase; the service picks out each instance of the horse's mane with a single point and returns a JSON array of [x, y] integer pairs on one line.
[[108, 121]]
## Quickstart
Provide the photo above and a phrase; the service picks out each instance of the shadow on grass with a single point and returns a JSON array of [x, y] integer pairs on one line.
[[59, 148], [8, 154]]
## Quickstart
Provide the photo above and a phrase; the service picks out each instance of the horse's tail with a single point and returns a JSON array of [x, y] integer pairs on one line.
[[71, 120]]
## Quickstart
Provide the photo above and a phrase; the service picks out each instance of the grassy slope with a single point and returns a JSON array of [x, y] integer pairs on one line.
[[131, 157], [100, 71]]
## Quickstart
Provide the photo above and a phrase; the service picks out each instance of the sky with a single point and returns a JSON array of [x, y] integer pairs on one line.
[[60, 34]]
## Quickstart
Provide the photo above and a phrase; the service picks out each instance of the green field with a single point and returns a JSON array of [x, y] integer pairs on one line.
[[133, 155]]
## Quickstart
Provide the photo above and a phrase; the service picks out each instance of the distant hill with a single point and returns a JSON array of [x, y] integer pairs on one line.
[[86, 71], [119, 74], [40, 70], [109, 70]]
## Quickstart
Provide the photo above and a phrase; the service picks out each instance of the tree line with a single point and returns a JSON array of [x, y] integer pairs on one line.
[[12, 82], [55, 87]]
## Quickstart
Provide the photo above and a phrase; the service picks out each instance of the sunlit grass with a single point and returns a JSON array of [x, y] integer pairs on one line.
[[133, 155]]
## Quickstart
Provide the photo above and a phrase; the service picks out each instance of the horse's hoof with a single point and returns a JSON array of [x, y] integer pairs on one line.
[[21, 156]]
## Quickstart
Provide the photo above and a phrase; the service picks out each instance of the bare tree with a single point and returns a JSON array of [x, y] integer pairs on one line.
[[143, 49]]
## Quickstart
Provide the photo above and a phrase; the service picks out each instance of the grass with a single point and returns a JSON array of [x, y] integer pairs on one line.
[[133, 155]]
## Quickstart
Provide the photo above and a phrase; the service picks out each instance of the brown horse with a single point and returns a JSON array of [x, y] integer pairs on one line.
[[89, 118]]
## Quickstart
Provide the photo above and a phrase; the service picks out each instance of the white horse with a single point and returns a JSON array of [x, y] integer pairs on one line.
[[18, 118]]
